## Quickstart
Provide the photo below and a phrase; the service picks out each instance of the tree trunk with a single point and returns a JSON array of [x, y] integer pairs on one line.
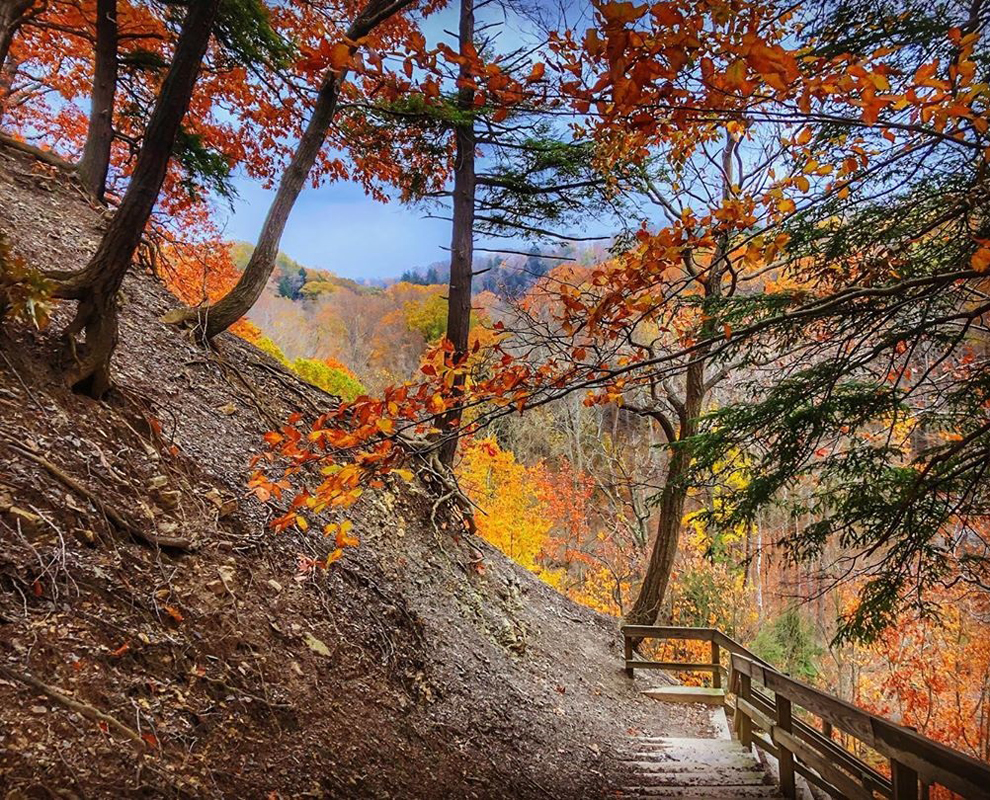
[[214, 319], [462, 235], [651, 594], [12, 14], [239, 300], [95, 161], [646, 609], [96, 286]]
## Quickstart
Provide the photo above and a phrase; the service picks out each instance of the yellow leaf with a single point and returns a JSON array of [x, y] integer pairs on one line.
[[344, 539]]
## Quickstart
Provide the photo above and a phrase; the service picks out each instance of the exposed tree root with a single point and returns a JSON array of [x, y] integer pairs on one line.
[[115, 517], [88, 711], [45, 156], [90, 372], [449, 492]]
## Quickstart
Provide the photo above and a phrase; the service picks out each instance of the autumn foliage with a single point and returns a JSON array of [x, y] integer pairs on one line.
[[762, 407]]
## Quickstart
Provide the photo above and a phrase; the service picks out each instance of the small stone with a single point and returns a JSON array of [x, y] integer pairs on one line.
[[39, 709], [169, 499]]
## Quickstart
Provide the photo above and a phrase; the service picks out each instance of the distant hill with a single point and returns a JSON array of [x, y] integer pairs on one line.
[[508, 275], [297, 281]]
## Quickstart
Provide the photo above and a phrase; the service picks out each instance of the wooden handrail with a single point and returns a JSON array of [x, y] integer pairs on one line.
[[913, 757], [916, 762], [630, 633]]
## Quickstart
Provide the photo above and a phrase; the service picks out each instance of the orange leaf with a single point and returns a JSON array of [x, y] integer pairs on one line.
[[344, 539], [981, 259], [340, 56], [539, 68], [121, 650]]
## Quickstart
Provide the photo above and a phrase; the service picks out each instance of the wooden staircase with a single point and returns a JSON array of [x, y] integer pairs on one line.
[[794, 724], [693, 769]]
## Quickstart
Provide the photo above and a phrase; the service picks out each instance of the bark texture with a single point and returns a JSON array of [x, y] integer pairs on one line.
[[95, 162], [653, 590], [96, 286], [462, 234]]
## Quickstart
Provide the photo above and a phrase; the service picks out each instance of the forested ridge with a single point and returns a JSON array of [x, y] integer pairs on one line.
[[708, 348]]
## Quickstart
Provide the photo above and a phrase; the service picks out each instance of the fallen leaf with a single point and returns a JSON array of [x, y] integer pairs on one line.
[[316, 645]]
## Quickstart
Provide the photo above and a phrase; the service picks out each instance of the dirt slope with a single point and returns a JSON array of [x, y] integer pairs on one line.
[[403, 672]]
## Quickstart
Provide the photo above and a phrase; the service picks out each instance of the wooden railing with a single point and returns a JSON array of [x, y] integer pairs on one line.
[[795, 723], [719, 643]]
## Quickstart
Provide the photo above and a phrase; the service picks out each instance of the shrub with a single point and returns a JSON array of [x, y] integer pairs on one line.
[[333, 380]]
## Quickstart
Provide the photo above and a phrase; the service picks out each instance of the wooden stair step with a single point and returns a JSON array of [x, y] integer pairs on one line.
[[740, 763], [708, 793], [687, 694], [693, 769], [713, 778]]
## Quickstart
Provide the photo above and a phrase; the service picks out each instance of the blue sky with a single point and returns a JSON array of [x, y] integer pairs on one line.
[[337, 227]]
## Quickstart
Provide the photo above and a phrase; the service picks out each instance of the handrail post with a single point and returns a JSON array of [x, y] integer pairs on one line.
[[904, 781], [627, 650], [785, 757], [717, 661], [744, 725]]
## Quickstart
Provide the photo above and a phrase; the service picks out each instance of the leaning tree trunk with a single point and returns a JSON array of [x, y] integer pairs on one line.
[[653, 590], [95, 162], [214, 319], [96, 286], [462, 235], [646, 609], [239, 300]]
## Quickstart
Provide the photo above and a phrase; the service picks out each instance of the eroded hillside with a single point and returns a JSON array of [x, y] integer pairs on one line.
[[139, 581]]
